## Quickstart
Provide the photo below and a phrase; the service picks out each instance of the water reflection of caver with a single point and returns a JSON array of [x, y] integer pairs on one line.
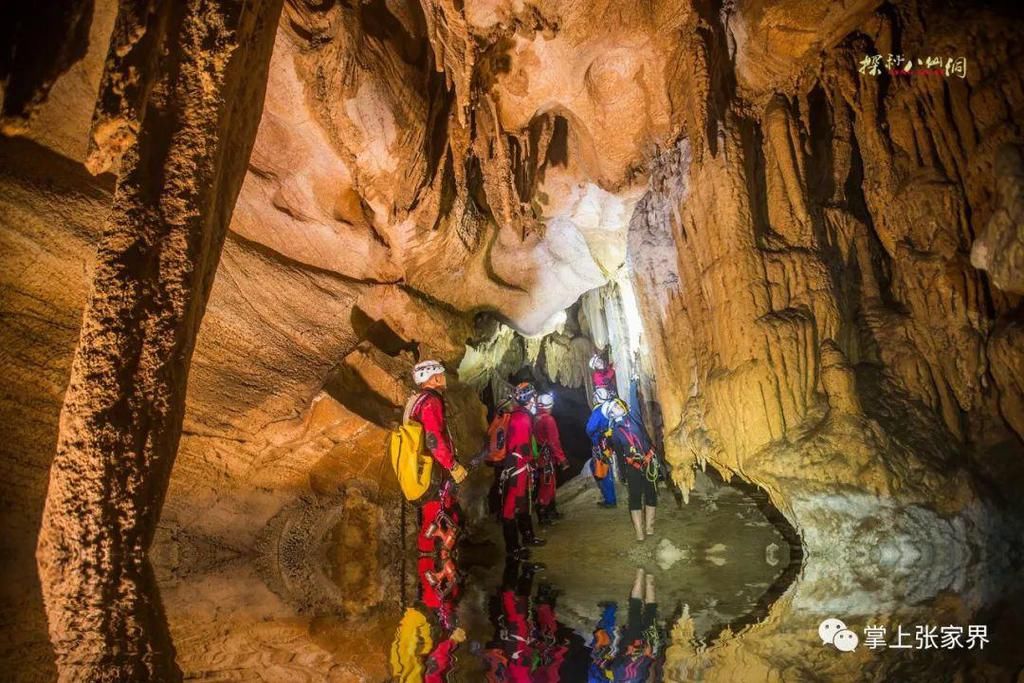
[[551, 648], [428, 635], [641, 641], [604, 646], [630, 654], [511, 656]]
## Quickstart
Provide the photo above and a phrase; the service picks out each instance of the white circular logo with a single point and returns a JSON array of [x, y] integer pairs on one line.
[[846, 640], [828, 629]]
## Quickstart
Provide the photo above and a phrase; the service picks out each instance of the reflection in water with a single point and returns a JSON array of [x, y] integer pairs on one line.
[[634, 651], [597, 606], [525, 645], [727, 606], [428, 635], [528, 642]]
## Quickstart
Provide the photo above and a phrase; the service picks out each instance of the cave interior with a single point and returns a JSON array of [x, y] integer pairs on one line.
[[229, 230]]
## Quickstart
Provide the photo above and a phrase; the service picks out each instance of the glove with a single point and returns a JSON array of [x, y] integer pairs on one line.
[[458, 473]]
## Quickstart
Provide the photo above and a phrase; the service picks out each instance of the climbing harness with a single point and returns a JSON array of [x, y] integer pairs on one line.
[[645, 461], [512, 472], [444, 529], [445, 580]]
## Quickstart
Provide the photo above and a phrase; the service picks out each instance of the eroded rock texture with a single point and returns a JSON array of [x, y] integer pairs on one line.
[[827, 337], [124, 404], [814, 271]]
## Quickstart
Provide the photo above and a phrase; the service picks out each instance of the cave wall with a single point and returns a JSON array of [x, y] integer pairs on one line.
[[816, 327], [293, 347], [823, 235], [799, 239], [821, 331]]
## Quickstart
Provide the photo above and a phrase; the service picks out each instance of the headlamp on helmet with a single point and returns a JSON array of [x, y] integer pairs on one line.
[[425, 370], [524, 393], [615, 410]]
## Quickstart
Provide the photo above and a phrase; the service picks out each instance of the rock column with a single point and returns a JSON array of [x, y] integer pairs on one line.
[[195, 73]]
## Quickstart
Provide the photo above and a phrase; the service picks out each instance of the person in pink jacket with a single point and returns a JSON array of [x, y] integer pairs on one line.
[[602, 373]]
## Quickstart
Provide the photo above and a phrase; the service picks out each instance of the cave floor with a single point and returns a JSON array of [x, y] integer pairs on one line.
[[730, 607], [717, 555], [716, 559]]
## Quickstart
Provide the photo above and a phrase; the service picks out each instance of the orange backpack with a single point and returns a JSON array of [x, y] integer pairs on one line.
[[497, 438]]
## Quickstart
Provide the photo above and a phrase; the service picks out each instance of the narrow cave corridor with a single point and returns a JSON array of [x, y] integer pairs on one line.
[[243, 245]]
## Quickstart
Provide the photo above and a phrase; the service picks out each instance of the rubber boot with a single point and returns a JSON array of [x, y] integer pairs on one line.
[[638, 585], [511, 534], [649, 519], [638, 523], [525, 522]]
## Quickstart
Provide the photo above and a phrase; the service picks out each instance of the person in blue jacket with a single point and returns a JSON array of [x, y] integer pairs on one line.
[[596, 426], [604, 647]]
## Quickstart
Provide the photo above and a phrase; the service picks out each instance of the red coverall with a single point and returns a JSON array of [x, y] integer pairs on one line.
[[545, 430], [551, 652], [518, 640], [428, 410], [604, 378], [440, 660], [518, 460]]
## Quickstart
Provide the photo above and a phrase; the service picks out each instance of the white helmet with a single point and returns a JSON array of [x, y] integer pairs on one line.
[[546, 400], [596, 362], [615, 410], [425, 370], [602, 394]]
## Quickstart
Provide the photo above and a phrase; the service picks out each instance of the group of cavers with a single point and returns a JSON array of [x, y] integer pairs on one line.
[[524, 448]]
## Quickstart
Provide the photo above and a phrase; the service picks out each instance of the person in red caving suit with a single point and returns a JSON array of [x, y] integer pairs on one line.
[[549, 456], [438, 516], [517, 474]]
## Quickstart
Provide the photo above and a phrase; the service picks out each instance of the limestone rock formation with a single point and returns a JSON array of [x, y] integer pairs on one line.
[[813, 271], [999, 248]]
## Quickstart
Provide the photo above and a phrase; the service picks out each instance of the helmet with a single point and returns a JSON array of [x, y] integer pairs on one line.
[[602, 394], [546, 400], [524, 393], [427, 369], [596, 362], [615, 410]]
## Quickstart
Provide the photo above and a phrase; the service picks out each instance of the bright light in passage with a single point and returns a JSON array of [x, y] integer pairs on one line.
[[632, 310]]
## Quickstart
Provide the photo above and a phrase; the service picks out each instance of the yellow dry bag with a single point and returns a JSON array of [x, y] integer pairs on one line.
[[412, 463], [412, 644]]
